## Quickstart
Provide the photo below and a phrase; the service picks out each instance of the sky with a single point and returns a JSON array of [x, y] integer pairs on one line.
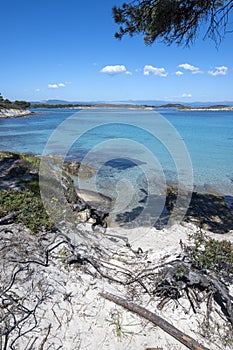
[[65, 49]]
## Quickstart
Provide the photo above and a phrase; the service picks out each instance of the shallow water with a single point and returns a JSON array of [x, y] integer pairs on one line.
[[136, 153], [133, 147]]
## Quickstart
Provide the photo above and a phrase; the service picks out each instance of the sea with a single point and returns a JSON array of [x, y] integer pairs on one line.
[[134, 151]]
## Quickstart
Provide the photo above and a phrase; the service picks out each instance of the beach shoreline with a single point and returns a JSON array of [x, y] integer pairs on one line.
[[207, 209], [65, 288]]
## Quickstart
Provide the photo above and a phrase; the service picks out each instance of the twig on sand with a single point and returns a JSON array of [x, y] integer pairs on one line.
[[186, 340]]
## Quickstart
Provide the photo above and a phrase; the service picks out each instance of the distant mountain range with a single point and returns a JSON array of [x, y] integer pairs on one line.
[[135, 102]]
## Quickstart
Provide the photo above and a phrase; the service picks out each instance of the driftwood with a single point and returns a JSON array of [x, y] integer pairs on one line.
[[186, 340], [180, 277], [9, 218]]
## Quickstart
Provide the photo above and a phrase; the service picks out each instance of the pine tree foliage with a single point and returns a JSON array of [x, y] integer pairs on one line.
[[174, 21]]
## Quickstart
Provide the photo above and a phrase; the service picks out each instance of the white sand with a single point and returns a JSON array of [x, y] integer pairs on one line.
[[81, 319]]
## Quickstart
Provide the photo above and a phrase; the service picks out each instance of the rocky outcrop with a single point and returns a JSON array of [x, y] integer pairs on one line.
[[13, 113], [21, 172], [81, 170], [90, 206], [209, 211], [15, 171]]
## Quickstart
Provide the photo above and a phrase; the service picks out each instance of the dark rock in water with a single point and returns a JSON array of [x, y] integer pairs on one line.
[[122, 163], [150, 212]]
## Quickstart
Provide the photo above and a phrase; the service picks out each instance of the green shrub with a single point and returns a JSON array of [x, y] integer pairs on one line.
[[209, 253], [32, 212]]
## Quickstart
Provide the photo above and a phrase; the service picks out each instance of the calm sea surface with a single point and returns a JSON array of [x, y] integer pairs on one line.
[[132, 144]]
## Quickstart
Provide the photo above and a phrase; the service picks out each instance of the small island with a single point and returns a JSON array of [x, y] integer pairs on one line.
[[14, 109], [182, 107]]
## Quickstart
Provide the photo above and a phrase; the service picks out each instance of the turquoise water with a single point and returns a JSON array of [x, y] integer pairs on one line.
[[120, 142]]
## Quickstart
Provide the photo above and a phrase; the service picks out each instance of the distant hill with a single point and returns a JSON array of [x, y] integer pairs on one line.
[[63, 102], [189, 104], [135, 102]]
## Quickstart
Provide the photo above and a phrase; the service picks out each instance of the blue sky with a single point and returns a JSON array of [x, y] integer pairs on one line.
[[65, 49]]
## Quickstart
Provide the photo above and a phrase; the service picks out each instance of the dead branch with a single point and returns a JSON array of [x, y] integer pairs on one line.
[[41, 347], [9, 218], [183, 338]]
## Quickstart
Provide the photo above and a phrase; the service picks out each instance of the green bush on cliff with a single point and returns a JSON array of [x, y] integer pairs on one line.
[[30, 207]]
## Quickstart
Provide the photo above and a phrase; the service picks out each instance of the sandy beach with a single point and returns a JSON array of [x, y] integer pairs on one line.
[[73, 315]]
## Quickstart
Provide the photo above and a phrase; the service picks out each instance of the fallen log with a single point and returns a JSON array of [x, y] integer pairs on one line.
[[9, 218], [186, 340]]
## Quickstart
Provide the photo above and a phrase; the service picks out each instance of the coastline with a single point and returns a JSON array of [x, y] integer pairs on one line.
[[14, 113], [62, 275], [208, 210], [206, 109], [20, 113]]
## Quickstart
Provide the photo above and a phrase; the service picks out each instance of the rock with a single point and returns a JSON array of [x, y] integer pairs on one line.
[[15, 171], [81, 170], [13, 113], [207, 210], [18, 169], [96, 200], [90, 206]]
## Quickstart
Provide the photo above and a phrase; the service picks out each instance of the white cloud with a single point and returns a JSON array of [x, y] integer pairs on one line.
[[186, 95], [113, 70], [37, 90], [190, 68], [161, 72], [56, 86], [179, 73], [222, 70], [53, 86]]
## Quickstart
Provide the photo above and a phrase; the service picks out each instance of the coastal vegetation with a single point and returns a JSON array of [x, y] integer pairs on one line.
[[25, 207], [178, 106], [5, 103], [88, 105]]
